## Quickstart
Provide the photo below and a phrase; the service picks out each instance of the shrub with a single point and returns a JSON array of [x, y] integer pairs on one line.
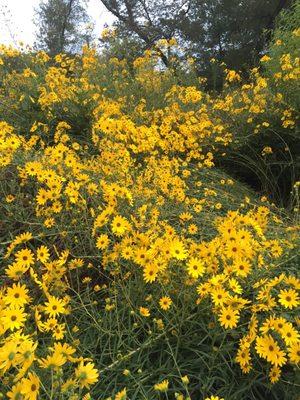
[[131, 265]]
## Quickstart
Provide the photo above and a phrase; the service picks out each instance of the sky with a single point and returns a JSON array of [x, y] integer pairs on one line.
[[16, 20]]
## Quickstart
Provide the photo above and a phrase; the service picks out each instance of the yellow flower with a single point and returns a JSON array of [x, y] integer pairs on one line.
[[49, 222], [120, 225], [288, 298], [235, 286], [121, 395], [165, 303], [30, 386], [177, 250], [59, 331], [266, 150], [192, 229], [219, 296], [234, 249], [289, 334], [274, 374], [102, 242], [50, 324], [162, 386], [242, 267], [127, 252], [42, 197], [265, 58], [17, 295], [144, 312], [68, 385], [26, 353], [150, 272], [159, 323], [25, 258], [8, 355], [43, 254], [243, 356], [13, 318], [214, 398], [16, 392], [15, 271], [294, 353], [54, 306], [65, 349], [229, 317], [86, 374], [54, 361], [232, 76], [9, 198], [195, 268], [269, 349]]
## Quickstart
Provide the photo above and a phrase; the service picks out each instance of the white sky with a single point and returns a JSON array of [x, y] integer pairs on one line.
[[16, 20]]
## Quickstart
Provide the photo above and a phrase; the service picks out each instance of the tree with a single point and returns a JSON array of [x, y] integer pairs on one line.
[[233, 31], [148, 21], [63, 26]]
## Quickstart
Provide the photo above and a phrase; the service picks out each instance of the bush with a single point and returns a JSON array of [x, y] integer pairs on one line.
[[131, 265]]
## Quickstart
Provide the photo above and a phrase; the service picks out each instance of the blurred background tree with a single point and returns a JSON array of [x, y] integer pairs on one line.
[[62, 26], [232, 31]]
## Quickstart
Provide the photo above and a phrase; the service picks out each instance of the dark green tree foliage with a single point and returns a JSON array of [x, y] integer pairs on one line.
[[62, 26], [233, 31], [147, 21]]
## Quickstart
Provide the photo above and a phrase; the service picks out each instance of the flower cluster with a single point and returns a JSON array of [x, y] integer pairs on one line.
[[129, 184]]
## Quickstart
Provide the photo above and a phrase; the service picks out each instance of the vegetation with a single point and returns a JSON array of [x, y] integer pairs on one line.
[[232, 31], [134, 262], [62, 26]]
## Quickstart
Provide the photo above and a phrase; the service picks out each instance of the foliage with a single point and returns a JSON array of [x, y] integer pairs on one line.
[[274, 172], [62, 26], [231, 31], [133, 267], [284, 55]]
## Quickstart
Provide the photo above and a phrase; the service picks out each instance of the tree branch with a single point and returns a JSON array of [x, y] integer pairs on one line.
[[64, 26], [130, 22]]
